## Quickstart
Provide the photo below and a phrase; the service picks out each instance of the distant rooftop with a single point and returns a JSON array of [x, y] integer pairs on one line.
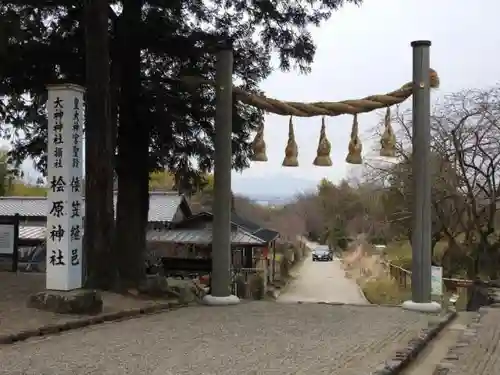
[[162, 206]]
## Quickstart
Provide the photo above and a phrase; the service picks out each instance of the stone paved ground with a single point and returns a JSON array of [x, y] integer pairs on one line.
[[15, 316], [477, 350], [437, 349], [250, 338]]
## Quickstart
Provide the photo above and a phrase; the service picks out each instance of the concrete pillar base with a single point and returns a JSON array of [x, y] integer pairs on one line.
[[428, 307], [220, 301]]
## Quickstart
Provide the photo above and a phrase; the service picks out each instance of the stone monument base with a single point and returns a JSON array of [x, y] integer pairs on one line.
[[79, 301], [428, 307], [220, 301]]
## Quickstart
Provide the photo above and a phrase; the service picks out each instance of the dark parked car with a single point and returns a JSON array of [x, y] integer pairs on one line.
[[322, 254]]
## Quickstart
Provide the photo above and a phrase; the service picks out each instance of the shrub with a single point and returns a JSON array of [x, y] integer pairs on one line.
[[284, 268], [257, 287]]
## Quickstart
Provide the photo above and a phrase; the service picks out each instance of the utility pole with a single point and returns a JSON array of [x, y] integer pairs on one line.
[[221, 240], [422, 183]]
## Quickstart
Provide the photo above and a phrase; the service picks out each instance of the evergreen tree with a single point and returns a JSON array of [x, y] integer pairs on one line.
[[160, 123]]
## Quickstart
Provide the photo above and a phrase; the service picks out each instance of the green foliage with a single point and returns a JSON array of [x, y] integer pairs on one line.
[[20, 189], [337, 236], [378, 240], [399, 253], [7, 174], [161, 123], [161, 180], [43, 42]]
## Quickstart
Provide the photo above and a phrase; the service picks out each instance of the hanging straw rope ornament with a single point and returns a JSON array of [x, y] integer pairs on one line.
[[355, 146], [298, 109], [388, 140], [301, 109], [291, 150], [259, 145], [322, 158]]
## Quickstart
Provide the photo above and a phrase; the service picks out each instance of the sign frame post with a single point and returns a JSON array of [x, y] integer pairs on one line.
[[65, 108], [437, 289], [13, 222], [437, 281]]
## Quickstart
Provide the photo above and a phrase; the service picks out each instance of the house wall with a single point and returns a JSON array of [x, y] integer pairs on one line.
[[179, 215]]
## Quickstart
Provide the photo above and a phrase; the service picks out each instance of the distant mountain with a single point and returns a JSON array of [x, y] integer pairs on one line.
[[268, 200], [276, 189]]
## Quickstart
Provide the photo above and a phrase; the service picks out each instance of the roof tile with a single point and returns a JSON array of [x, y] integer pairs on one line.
[[188, 236], [162, 206], [201, 236]]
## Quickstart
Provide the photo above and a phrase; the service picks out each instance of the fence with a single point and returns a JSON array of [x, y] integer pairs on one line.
[[248, 282], [451, 285]]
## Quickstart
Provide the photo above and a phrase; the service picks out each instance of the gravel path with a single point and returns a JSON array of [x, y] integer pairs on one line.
[[16, 316], [322, 282], [250, 338]]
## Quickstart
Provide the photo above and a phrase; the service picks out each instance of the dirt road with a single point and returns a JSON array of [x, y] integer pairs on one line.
[[322, 282]]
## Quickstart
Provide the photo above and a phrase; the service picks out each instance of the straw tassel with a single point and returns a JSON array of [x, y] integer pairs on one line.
[[291, 150], [388, 140], [355, 147], [324, 147], [259, 146]]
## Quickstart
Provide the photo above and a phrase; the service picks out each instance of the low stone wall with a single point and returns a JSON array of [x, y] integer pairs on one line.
[[403, 357]]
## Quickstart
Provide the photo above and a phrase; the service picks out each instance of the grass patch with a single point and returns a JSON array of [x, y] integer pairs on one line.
[[384, 292], [387, 292], [399, 253]]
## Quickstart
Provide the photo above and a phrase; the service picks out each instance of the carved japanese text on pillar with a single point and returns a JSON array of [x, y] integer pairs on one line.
[[64, 221]]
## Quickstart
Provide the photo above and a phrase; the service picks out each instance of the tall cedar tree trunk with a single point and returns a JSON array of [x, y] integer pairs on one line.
[[133, 152], [99, 217]]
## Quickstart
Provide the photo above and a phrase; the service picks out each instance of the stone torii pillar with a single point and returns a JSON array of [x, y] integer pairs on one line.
[[221, 240], [422, 183]]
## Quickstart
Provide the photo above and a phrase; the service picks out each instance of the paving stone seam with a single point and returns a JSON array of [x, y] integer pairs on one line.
[[53, 329], [461, 349], [369, 305], [486, 365], [403, 357], [374, 347]]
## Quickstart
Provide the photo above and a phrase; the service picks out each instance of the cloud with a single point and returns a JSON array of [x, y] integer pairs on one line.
[[366, 50]]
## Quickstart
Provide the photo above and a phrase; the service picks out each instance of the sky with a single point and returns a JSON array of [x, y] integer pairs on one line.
[[366, 50]]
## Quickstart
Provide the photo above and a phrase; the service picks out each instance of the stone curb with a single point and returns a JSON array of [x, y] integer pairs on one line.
[[348, 304], [360, 289], [464, 341], [403, 357], [56, 328], [277, 292]]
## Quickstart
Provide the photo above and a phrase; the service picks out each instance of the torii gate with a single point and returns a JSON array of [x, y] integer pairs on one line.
[[424, 79]]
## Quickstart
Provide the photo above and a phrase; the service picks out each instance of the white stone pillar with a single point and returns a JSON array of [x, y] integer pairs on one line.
[[65, 109]]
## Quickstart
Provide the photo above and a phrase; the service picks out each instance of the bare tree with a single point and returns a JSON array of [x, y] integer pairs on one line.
[[467, 133], [466, 176], [308, 206]]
